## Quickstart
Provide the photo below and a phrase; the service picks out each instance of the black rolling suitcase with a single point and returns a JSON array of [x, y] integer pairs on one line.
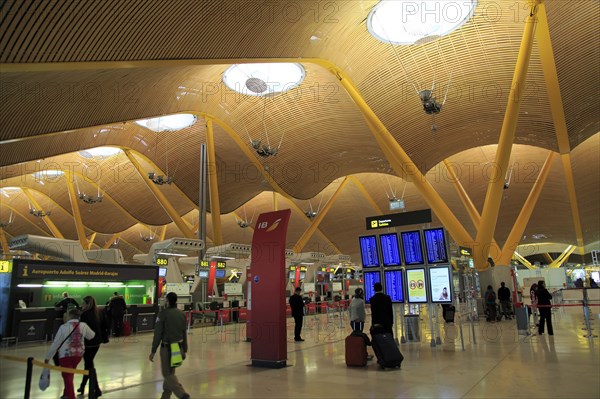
[[386, 350]]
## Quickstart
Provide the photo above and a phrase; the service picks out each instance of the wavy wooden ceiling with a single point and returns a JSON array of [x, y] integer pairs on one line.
[[51, 114]]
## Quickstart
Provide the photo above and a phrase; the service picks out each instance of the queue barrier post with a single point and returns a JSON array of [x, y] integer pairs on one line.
[[28, 377]]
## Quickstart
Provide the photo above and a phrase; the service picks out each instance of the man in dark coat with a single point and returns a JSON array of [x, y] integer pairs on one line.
[[117, 308], [297, 305], [381, 309]]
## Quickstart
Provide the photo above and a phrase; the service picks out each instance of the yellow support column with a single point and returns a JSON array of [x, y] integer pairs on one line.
[[163, 233], [544, 43], [4, 242], [320, 216], [366, 194], [55, 231], [75, 208], [548, 258], [523, 261], [275, 204], [493, 196], [215, 206], [514, 237], [90, 240], [160, 197], [563, 257], [110, 241]]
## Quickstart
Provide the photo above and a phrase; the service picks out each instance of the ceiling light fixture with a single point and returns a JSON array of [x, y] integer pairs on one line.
[[411, 22]]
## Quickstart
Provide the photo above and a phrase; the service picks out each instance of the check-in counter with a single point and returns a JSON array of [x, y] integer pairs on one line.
[[143, 317], [33, 324]]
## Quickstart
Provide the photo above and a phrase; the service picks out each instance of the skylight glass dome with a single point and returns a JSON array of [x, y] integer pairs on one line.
[[263, 79], [48, 174], [168, 122], [99, 152], [409, 22]]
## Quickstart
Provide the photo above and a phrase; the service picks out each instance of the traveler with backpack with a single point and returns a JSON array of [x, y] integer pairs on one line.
[[490, 301]]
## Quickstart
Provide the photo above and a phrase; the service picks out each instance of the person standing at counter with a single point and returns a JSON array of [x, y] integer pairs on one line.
[[117, 308], [169, 331], [544, 301], [66, 303], [297, 305], [69, 343], [97, 321]]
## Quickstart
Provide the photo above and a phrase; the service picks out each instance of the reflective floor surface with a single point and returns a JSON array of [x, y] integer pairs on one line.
[[496, 363]]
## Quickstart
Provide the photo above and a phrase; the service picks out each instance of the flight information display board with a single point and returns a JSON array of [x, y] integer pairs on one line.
[[390, 249], [412, 248], [368, 251], [440, 283], [370, 279], [415, 282], [435, 242], [394, 286]]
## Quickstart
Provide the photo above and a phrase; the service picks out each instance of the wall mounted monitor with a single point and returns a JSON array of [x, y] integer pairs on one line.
[[162, 272], [412, 248], [370, 278], [292, 275], [416, 285], [435, 243], [203, 273], [440, 284], [394, 285], [390, 249], [368, 251], [220, 273]]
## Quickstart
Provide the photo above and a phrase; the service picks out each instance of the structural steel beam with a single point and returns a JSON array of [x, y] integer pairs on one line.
[[493, 196], [161, 198], [215, 206], [544, 43], [75, 209], [514, 237], [4, 241], [548, 258], [563, 257], [25, 218], [55, 231], [163, 233], [90, 240], [471, 209], [275, 204], [303, 240], [523, 261], [366, 194], [110, 241]]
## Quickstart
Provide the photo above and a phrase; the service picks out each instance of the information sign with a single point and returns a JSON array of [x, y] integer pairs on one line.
[[394, 285], [412, 248], [370, 279], [368, 251], [390, 250], [435, 242]]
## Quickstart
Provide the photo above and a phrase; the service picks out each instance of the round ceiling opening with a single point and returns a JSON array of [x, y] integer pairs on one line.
[[263, 79]]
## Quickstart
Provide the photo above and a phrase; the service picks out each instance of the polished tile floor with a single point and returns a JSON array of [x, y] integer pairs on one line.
[[495, 363]]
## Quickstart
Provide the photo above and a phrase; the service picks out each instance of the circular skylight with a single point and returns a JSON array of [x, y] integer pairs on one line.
[[99, 152], [48, 174], [168, 122], [263, 79], [409, 21]]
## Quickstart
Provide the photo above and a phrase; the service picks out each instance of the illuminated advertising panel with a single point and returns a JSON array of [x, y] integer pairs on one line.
[[440, 283], [415, 283]]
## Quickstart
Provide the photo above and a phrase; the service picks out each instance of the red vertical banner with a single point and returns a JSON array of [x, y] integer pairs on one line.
[[268, 281], [211, 277], [297, 280]]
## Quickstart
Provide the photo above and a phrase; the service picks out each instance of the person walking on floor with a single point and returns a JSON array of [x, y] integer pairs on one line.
[[490, 301], [381, 309], [117, 310], [504, 298], [544, 301], [69, 343], [169, 331], [97, 321], [357, 311], [297, 305]]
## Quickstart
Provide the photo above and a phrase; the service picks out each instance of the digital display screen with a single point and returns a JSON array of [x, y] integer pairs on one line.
[[440, 284], [370, 279], [393, 285], [203, 273], [435, 242], [415, 282], [411, 248], [220, 273], [162, 272], [390, 250], [292, 275], [368, 251]]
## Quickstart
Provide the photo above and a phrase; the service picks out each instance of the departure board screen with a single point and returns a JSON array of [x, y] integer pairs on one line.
[[440, 283], [368, 251], [370, 279], [415, 283], [411, 248], [394, 285], [390, 249], [435, 242]]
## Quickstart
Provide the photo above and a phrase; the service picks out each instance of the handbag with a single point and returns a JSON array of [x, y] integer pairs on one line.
[[44, 379], [176, 357]]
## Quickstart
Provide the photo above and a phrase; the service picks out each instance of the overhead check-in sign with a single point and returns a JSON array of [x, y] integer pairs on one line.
[[399, 219]]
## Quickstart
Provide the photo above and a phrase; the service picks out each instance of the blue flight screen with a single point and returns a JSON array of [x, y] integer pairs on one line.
[[390, 250], [412, 249], [435, 242], [393, 285], [220, 273], [370, 279], [368, 251]]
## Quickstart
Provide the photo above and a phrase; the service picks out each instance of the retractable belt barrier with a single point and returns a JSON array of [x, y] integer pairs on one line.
[[29, 372]]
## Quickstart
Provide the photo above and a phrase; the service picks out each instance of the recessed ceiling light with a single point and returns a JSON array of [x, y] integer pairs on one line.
[[263, 79], [168, 122], [100, 152], [409, 21]]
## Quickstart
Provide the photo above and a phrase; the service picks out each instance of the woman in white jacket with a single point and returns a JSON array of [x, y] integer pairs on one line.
[[357, 310], [69, 342]]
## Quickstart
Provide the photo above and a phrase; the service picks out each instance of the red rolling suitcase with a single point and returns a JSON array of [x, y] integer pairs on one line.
[[356, 350], [126, 328]]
